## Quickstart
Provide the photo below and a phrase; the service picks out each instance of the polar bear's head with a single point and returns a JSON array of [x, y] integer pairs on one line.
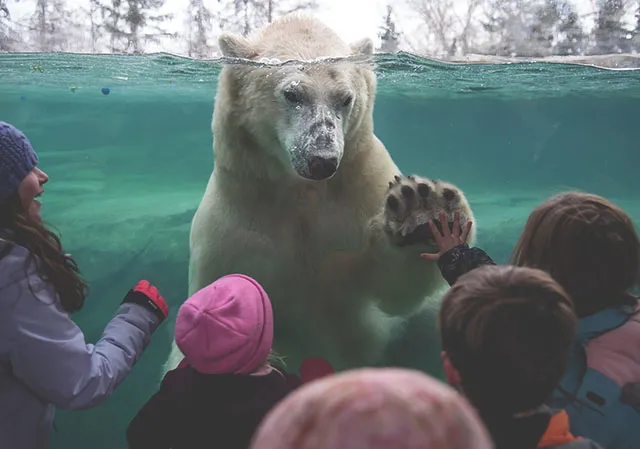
[[304, 115]]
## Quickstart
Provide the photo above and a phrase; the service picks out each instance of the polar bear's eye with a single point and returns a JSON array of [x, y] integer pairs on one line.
[[291, 96], [347, 101]]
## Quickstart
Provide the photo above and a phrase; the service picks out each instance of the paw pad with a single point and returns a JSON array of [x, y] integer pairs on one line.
[[423, 190], [407, 192], [448, 194], [393, 203]]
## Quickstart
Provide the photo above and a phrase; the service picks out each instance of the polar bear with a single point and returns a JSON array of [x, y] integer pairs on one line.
[[304, 198]]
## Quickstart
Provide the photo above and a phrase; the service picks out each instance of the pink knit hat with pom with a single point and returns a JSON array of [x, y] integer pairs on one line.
[[373, 408], [226, 327]]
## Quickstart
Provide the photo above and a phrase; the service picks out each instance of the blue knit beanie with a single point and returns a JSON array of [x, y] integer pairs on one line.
[[17, 159]]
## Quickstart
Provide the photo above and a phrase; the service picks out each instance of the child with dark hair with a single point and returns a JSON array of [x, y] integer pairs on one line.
[[591, 248], [506, 337], [45, 361]]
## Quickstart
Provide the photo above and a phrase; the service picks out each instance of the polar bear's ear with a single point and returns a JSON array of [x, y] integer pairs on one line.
[[363, 47], [235, 46]]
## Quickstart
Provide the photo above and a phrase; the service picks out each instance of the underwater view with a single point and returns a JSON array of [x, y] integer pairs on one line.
[[126, 141]]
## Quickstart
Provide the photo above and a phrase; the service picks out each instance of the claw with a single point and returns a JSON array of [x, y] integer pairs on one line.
[[411, 177], [390, 184], [397, 178]]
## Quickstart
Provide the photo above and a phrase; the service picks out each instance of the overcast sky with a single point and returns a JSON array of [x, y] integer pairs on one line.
[[352, 19]]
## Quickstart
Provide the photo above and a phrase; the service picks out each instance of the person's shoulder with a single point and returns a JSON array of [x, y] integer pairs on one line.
[[176, 376], [171, 386], [12, 252], [15, 263]]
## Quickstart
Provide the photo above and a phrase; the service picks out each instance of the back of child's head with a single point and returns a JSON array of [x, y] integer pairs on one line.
[[588, 244], [226, 327], [373, 408], [507, 331]]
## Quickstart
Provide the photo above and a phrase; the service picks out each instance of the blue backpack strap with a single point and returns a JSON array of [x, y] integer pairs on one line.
[[602, 322], [586, 385], [588, 395]]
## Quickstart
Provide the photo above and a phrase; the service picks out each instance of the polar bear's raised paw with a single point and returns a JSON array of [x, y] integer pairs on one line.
[[412, 201]]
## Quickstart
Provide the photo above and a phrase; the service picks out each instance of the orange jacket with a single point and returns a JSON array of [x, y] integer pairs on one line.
[[558, 431]]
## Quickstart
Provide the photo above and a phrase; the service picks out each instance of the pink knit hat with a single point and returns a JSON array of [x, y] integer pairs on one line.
[[373, 408], [226, 327]]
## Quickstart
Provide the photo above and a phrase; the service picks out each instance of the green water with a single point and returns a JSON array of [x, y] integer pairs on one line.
[[128, 169]]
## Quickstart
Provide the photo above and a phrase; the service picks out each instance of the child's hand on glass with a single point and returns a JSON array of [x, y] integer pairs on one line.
[[447, 239]]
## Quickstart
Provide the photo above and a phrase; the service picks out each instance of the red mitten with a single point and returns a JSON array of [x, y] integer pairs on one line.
[[314, 368], [148, 296]]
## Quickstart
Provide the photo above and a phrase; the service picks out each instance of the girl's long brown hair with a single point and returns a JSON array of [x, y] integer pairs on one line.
[[587, 244], [45, 249]]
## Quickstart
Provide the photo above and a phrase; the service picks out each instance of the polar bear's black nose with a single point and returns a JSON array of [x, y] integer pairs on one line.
[[322, 168]]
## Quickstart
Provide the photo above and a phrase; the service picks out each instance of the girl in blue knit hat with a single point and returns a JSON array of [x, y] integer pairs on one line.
[[44, 359]]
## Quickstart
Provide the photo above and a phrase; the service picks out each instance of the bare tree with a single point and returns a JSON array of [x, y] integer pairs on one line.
[[4, 10], [446, 32], [96, 27], [113, 21], [468, 32], [129, 23], [199, 19], [277, 8], [52, 28], [9, 38], [244, 16]]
